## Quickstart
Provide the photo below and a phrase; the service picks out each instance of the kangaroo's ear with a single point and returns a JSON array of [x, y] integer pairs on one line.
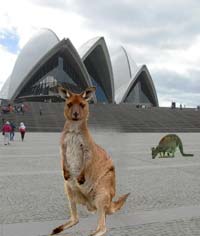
[[64, 93], [87, 94]]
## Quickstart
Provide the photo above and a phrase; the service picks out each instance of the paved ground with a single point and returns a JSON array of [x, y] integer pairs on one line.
[[165, 193]]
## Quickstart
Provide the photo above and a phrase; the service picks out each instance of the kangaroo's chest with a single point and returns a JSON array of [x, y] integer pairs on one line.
[[74, 152]]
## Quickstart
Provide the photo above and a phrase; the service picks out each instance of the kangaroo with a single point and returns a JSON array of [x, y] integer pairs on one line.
[[88, 171], [168, 144]]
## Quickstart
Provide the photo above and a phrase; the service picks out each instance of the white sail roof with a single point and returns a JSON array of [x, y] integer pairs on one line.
[[31, 53]]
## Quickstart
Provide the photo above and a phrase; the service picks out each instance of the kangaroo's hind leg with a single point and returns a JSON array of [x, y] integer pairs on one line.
[[73, 212], [104, 193], [102, 203]]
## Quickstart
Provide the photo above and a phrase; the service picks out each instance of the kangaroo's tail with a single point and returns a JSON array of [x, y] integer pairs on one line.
[[181, 150], [115, 206]]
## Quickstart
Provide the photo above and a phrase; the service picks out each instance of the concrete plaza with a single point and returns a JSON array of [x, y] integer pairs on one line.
[[165, 193]]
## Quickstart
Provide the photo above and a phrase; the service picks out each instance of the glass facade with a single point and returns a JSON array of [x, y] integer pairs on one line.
[[140, 92], [132, 96], [99, 73], [94, 75], [55, 71], [145, 94], [100, 95]]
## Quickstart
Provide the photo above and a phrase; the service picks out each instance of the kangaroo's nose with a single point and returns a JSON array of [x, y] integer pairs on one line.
[[75, 114]]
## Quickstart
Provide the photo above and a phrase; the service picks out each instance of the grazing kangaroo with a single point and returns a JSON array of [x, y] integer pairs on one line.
[[168, 144], [88, 171]]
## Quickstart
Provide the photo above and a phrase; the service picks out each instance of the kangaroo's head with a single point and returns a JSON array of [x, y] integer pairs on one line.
[[154, 152], [76, 105]]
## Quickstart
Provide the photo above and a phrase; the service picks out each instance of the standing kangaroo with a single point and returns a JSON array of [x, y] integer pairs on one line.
[[88, 171]]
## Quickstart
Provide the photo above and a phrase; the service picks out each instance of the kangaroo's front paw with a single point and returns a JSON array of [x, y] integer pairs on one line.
[[66, 175], [81, 179]]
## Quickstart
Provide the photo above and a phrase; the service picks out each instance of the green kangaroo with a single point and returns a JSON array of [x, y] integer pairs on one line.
[[168, 144]]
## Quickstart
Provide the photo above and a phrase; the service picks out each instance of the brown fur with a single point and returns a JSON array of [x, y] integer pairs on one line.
[[90, 174]]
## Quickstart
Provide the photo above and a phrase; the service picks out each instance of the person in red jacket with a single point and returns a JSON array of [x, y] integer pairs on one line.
[[22, 130], [6, 132]]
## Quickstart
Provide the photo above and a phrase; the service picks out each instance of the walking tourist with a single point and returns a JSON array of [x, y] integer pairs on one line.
[[12, 133], [22, 130], [40, 110], [6, 132], [22, 108]]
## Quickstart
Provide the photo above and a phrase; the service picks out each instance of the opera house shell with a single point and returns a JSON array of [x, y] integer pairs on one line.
[[45, 61]]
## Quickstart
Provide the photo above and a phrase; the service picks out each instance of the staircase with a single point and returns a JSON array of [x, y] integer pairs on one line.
[[110, 117]]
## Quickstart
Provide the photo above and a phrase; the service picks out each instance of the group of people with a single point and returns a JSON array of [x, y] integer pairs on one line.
[[8, 131], [19, 108]]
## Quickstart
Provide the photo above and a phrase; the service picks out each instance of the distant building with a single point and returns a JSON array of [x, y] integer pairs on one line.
[[46, 61]]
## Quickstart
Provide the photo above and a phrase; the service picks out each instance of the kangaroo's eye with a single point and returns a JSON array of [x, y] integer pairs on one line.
[[82, 105], [69, 104]]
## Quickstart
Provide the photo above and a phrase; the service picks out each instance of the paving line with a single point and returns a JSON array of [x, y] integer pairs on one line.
[[30, 155], [45, 172], [162, 166]]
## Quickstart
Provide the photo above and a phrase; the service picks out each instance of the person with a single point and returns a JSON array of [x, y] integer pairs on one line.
[[22, 130], [2, 121], [4, 109], [12, 133], [10, 108], [22, 108], [6, 132], [40, 110], [173, 106]]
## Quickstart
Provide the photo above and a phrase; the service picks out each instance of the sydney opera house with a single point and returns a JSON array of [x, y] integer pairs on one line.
[[46, 61]]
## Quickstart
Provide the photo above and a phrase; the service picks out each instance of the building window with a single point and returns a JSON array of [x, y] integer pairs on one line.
[[100, 95]]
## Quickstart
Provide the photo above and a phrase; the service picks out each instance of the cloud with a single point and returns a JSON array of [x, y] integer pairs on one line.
[[7, 60], [141, 21], [183, 89]]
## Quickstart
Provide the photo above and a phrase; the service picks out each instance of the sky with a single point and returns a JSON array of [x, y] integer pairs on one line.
[[163, 34]]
